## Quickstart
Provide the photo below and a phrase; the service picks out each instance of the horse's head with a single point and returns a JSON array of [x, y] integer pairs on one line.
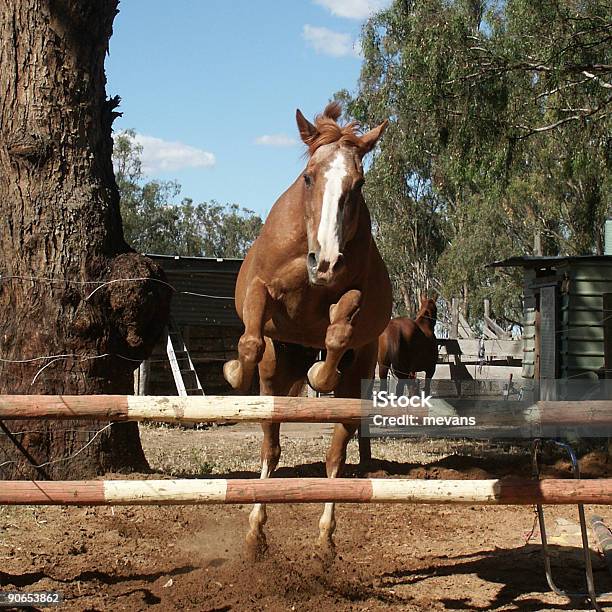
[[429, 309], [331, 185]]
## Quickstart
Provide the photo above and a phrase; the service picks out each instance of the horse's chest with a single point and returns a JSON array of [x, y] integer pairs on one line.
[[304, 308], [299, 316]]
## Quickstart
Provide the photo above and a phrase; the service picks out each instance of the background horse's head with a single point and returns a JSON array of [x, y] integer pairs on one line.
[[331, 187], [429, 309]]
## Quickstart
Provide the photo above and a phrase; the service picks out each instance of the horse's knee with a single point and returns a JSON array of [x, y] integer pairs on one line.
[[338, 336], [251, 348]]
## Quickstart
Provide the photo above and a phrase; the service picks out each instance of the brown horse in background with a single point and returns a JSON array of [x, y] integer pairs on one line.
[[313, 280], [409, 345]]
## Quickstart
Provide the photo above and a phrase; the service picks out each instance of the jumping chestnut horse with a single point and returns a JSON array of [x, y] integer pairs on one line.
[[313, 280], [409, 345]]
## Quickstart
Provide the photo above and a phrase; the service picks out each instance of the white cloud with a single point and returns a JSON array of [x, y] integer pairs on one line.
[[353, 9], [275, 140], [328, 42], [164, 156]]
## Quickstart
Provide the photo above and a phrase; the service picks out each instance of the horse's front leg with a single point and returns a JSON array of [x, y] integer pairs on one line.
[[323, 376], [239, 372]]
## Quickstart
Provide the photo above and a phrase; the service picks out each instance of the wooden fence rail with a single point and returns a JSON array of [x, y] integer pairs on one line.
[[306, 490], [222, 408]]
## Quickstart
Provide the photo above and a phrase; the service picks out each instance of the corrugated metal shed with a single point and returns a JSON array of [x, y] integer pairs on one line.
[[581, 283], [214, 282]]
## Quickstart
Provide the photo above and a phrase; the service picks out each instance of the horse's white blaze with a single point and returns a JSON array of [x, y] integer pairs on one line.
[[329, 234]]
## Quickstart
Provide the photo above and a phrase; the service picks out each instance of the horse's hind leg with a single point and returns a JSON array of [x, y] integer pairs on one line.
[[335, 460], [349, 386], [239, 372], [278, 375], [256, 542], [323, 376]]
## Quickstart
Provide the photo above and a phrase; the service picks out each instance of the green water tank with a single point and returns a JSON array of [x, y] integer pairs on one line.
[[608, 237]]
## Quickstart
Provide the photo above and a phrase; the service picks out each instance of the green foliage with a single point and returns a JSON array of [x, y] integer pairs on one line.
[[153, 224], [499, 132]]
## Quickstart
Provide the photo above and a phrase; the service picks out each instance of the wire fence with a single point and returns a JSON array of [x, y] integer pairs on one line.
[[55, 358], [102, 284]]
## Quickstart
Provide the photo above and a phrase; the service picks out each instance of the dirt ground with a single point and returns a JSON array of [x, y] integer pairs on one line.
[[390, 557]]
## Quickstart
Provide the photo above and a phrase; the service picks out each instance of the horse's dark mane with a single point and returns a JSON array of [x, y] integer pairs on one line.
[[328, 130]]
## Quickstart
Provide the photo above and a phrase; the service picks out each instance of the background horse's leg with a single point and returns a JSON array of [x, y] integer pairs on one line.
[[384, 363], [349, 386], [429, 374], [239, 372], [279, 374], [323, 376]]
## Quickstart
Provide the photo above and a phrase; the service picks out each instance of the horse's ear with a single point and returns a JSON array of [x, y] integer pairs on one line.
[[369, 139], [435, 296], [307, 130]]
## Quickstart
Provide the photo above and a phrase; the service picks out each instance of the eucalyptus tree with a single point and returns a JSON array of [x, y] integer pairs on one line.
[[154, 222], [500, 134]]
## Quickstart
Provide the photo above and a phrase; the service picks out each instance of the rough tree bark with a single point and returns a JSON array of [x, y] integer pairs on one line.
[[59, 211]]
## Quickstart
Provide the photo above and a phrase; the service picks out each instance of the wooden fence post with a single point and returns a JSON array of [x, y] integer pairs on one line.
[[454, 330]]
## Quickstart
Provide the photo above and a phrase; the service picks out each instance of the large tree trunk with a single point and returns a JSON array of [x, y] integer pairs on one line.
[[60, 230]]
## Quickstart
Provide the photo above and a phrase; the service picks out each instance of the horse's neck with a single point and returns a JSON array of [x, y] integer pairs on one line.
[[361, 241]]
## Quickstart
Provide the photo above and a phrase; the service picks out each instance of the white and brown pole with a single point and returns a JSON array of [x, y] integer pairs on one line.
[[173, 409], [257, 409], [305, 490]]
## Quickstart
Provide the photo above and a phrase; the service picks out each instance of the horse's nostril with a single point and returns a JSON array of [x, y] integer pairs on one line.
[[312, 260], [339, 263]]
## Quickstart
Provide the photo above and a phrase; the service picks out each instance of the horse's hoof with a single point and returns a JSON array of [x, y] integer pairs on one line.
[[232, 372], [325, 552], [316, 381], [256, 546]]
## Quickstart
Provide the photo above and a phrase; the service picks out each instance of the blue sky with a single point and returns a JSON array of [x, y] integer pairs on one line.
[[211, 87]]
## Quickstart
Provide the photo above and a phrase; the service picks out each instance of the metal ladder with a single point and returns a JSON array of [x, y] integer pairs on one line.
[[185, 376]]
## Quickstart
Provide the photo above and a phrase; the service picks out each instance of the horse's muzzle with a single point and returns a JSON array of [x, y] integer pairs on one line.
[[322, 271]]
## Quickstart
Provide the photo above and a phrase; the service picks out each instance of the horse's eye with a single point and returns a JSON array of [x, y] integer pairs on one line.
[[360, 183], [308, 180]]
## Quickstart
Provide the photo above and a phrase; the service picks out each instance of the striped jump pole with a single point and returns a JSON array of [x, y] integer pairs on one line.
[[305, 490], [222, 408], [175, 409]]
